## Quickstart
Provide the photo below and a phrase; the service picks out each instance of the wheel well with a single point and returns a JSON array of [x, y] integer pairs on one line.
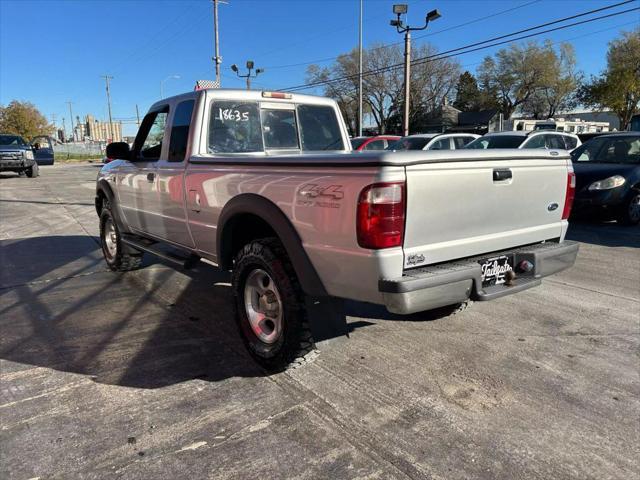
[[100, 198], [239, 231]]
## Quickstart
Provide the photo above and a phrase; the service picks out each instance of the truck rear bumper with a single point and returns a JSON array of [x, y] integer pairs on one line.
[[435, 286]]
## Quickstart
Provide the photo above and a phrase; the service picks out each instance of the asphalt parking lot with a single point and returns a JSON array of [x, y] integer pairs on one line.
[[142, 375]]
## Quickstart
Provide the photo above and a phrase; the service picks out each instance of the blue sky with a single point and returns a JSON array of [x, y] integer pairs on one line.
[[52, 51]]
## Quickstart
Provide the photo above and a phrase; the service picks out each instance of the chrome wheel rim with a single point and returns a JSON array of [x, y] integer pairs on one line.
[[263, 306], [110, 238], [634, 208]]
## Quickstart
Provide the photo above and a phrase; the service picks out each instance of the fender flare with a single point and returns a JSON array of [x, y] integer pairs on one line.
[[106, 189], [250, 203]]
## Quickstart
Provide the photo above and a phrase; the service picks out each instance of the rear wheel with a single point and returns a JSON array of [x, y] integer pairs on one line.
[[118, 256], [630, 212], [33, 171], [269, 305]]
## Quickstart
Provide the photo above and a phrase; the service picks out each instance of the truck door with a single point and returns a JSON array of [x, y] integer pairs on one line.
[[43, 150], [137, 179], [170, 179]]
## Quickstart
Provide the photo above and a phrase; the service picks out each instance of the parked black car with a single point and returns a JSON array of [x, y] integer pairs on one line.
[[608, 177], [16, 155]]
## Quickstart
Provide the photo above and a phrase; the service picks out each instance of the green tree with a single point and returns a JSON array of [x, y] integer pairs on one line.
[[24, 119], [467, 93], [618, 87], [519, 72], [559, 93]]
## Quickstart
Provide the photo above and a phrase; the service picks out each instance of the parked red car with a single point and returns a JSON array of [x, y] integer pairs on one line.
[[379, 142]]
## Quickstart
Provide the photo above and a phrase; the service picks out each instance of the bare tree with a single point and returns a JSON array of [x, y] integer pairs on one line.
[[431, 82]]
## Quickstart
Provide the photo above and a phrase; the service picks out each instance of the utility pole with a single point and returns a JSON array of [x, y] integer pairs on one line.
[[360, 74], [64, 131], [71, 118], [248, 76], [137, 115], [399, 10], [106, 79], [217, 59]]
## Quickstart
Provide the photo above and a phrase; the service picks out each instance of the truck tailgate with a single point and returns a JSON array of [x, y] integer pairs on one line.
[[462, 208]]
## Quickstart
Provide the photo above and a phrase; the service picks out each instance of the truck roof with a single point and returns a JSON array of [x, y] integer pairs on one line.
[[255, 95]]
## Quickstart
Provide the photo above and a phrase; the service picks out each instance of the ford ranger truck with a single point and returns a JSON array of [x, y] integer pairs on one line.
[[263, 184]]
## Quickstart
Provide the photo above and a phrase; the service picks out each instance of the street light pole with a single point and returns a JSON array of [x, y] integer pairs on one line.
[[248, 76], [360, 74], [401, 9], [407, 82]]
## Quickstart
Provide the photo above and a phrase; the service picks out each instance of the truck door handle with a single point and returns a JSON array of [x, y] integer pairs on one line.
[[501, 174], [151, 177]]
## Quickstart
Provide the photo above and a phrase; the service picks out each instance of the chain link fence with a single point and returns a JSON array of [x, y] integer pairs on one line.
[[68, 151]]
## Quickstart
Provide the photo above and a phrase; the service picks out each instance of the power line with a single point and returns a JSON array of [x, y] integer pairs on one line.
[[322, 60], [469, 48], [620, 25], [381, 47]]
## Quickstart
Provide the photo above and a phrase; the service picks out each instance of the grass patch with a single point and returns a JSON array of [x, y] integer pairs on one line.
[[76, 157]]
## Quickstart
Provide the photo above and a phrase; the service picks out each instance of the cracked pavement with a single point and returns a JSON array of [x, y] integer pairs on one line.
[[143, 375]]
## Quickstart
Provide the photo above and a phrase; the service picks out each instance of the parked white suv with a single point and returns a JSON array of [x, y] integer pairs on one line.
[[521, 139], [433, 141]]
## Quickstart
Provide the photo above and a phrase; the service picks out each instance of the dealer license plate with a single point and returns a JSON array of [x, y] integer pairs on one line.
[[495, 269]]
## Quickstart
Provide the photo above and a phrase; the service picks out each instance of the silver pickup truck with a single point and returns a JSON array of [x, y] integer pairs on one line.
[[264, 184]]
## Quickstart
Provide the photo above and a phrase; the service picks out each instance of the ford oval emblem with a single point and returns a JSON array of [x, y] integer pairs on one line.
[[555, 154], [552, 206]]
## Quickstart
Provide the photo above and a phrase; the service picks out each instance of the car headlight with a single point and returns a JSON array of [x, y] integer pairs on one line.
[[28, 155], [608, 183]]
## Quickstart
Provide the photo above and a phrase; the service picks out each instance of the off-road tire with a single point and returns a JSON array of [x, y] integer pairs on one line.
[[33, 171], [295, 344], [123, 259], [625, 216]]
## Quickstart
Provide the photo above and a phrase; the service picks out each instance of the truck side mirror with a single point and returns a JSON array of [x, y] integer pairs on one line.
[[36, 146], [118, 150]]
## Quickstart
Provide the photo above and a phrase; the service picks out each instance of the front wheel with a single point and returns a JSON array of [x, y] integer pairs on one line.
[[33, 171], [269, 305], [630, 212], [119, 257]]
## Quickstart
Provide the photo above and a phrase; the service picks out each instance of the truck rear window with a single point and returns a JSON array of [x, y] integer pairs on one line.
[[242, 127], [234, 127]]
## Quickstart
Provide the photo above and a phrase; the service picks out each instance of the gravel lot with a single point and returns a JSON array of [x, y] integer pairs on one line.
[[143, 375]]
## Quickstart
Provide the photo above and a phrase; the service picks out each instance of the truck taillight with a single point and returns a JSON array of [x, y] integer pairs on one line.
[[380, 216], [571, 193]]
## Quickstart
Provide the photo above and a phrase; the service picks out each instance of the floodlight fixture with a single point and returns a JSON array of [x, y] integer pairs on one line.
[[400, 8], [433, 15]]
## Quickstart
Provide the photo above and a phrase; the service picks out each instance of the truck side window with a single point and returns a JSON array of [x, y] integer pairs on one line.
[[319, 128], [279, 129], [148, 144], [234, 127], [180, 131]]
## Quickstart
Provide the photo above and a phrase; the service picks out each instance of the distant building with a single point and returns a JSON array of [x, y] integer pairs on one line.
[[607, 116], [102, 131]]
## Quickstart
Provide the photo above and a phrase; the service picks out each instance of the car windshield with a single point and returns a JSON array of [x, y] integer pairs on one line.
[[409, 143], [11, 140], [496, 141], [619, 149], [357, 142]]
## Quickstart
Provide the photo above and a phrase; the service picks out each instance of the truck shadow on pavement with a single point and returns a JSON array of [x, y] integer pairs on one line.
[[61, 308]]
